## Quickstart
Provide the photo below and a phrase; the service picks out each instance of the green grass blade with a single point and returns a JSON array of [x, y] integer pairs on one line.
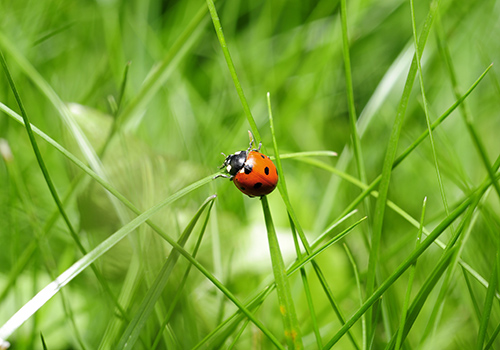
[[356, 142], [360, 292], [388, 165], [488, 305], [406, 302], [426, 108], [307, 288], [131, 333], [232, 71], [44, 346], [287, 309]]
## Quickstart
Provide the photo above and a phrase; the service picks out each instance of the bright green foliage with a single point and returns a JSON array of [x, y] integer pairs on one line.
[[130, 105]]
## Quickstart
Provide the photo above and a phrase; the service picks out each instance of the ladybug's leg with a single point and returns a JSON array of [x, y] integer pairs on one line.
[[252, 141], [224, 176], [225, 161]]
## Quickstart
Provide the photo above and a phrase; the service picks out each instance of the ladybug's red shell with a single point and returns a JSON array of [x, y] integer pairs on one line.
[[258, 176]]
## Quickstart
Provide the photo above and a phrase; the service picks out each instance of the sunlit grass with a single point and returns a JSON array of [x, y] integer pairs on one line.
[[111, 129]]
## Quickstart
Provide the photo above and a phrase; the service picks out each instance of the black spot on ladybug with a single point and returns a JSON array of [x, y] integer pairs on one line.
[[266, 170], [242, 188], [257, 185], [263, 157], [248, 168]]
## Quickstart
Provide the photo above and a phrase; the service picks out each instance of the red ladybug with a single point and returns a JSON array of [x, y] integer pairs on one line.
[[252, 172]]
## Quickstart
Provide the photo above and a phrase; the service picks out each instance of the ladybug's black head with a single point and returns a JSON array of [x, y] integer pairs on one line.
[[234, 162]]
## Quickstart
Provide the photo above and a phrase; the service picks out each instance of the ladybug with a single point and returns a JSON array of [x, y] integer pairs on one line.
[[252, 172]]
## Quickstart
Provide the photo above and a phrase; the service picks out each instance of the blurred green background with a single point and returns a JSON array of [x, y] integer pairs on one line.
[[170, 134]]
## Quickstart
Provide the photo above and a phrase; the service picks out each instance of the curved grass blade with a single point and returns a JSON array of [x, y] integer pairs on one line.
[[355, 135], [488, 305], [360, 292], [287, 309], [307, 288], [404, 309], [131, 333], [426, 109], [232, 71]]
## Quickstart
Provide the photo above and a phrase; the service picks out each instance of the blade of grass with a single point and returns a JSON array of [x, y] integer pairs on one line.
[[307, 288], [360, 292], [287, 309], [426, 108], [399, 339], [388, 165], [356, 142], [131, 333], [488, 305], [232, 71], [284, 195]]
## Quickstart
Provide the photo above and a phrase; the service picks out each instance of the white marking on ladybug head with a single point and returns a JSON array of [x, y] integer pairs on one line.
[[228, 168], [242, 170]]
